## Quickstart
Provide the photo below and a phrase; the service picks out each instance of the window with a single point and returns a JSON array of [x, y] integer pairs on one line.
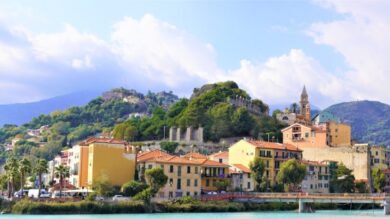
[[170, 181], [188, 182], [170, 194], [207, 182], [267, 173], [196, 183], [306, 134], [249, 185], [188, 193], [220, 160], [178, 184], [179, 171], [196, 170], [262, 153], [195, 193], [188, 169], [171, 168], [269, 154], [162, 166], [150, 166], [267, 163], [277, 154]]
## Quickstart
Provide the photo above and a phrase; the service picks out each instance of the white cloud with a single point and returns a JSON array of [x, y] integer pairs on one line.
[[151, 54], [362, 38]]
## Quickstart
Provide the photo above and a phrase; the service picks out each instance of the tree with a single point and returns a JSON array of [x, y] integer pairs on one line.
[[379, 179], [11, 168], [275, 113], [132, 188], [102, 186], [361, 187], [40, 168], [345, 181], [222, 185], [61, 172], [291, 174], [294, 107], [169, 146], [24, 169], [155, 178], [257, 169]]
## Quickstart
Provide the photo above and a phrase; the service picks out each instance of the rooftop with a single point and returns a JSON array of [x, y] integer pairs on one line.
[[274, 145]]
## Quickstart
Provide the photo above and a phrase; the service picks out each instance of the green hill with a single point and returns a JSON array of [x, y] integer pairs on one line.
[[370, 120], [222, 109]]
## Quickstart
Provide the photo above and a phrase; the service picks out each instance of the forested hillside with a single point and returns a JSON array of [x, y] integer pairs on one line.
[[370, 120]]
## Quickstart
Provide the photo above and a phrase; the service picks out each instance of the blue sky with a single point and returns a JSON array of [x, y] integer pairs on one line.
[[271, 48]]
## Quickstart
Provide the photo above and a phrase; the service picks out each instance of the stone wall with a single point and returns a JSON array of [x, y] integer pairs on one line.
[[355, 158]]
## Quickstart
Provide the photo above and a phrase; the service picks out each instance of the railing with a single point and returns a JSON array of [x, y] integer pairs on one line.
[[251, 195]]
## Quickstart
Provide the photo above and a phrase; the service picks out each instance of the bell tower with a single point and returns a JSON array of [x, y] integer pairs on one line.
[[305, 106]]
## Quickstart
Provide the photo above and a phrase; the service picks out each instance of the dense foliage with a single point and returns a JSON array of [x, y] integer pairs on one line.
[[209, 107]]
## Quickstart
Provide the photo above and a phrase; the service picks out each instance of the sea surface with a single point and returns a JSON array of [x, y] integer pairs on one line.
[[331, 214]]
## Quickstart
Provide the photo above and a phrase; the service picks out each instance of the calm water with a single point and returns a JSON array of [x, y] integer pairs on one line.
[[247, 215]]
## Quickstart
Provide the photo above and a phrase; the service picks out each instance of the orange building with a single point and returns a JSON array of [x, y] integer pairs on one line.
[[305, 136]]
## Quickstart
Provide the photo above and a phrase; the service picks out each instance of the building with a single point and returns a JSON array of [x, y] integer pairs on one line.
[[338, 134], [287, 117], [78, 165], [378, 157], [189, 136], [317, 177], [189, 175], [241, 178], [221, 156], [387, 175], [324, 117], [111, 159], [273, 155], [184, 175], [305, 136]]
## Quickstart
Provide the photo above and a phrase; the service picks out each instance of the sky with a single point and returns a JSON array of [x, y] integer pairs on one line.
[[337, 48]]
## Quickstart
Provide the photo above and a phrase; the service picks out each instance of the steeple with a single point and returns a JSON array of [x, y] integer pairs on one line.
[[304, 93], [305, 105]]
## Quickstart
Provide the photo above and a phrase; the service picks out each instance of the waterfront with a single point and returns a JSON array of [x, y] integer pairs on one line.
[[335, 214]]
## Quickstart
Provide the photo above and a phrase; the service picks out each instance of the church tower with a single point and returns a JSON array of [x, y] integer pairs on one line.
[[305, 106]]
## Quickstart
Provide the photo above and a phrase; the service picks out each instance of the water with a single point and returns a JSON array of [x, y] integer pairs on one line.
[[333, 214]]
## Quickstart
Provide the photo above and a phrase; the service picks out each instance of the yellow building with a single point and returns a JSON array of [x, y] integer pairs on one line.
[[189, 175], [378, 157], [338, 134], [78, 165], [110, 158], [184, 175], [273, 155]]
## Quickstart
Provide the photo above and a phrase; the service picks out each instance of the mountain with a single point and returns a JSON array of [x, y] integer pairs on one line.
[[21, 113], [370, 120]]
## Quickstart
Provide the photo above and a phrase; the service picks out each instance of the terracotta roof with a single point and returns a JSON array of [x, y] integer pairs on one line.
[[195, 155], [211, 163], [177, 160], [310, 162], [386, 171], [242, 168], [221, 154], [102, 140], [273, 145], [154, 154]]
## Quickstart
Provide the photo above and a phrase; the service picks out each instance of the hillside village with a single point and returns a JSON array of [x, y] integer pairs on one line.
[[194, 165]]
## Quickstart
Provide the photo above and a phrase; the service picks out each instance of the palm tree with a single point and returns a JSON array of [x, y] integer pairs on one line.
[[40, 168], [11, 169], [62, 172], [24, 169]]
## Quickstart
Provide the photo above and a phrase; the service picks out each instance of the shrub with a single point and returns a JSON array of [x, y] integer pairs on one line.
[[132, 188]]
